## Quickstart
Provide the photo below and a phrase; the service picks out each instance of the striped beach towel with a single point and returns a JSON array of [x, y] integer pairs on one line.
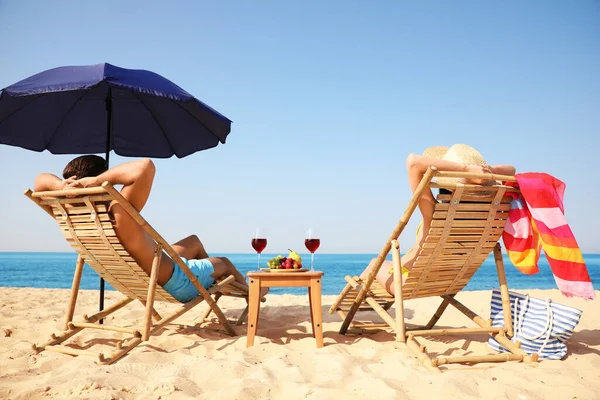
[[536, 221]]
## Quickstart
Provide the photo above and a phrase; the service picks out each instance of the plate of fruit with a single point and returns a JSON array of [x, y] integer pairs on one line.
[[291, 263]]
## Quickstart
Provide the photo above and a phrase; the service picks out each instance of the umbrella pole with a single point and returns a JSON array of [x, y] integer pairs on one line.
[[108, 130]]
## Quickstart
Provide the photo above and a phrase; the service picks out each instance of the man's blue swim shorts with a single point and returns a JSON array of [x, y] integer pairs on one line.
[[179, 285]]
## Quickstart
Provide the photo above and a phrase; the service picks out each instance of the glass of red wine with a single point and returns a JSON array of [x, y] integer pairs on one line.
[[259, 242], [312, 243]]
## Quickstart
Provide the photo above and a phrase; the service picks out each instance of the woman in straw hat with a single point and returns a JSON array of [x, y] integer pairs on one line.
[[458, 157]]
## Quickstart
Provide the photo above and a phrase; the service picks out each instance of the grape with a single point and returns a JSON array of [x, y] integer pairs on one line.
[[274, 262]]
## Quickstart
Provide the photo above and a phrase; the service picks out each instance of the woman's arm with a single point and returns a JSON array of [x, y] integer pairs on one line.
[[504, 170], [417, 166]]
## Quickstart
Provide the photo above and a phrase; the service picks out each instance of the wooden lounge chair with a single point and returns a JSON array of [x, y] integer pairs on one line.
[[466, 227], [84, 220]]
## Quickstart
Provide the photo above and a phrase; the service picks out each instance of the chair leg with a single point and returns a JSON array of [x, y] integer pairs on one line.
[[340, 298], [122, 349], [421, 353], [151, 292], [400, 327], [412, 206], [56, 339], [508, 323], [438, 313], [243, 316], [206, 296], [360, 297], [74, 291], [72, 330], [157, 317], [207, 312]]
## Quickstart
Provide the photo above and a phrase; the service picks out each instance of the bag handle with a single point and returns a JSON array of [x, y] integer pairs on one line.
[[518, 322]]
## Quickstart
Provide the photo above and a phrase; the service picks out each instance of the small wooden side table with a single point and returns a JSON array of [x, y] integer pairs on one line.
[[311, 280]]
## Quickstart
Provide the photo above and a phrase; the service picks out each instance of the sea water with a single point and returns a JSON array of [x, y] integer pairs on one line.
[[55, 270]]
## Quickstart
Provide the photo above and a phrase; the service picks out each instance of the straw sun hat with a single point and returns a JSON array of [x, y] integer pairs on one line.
[[458, 153]]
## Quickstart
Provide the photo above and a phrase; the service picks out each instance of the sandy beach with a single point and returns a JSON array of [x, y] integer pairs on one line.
[[187, 361]]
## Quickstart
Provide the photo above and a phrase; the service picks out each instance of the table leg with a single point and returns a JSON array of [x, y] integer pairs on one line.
[[312, 314], [253, 310], [316, 311]]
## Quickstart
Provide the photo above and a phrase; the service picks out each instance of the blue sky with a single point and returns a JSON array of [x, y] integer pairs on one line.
[[327, 98]]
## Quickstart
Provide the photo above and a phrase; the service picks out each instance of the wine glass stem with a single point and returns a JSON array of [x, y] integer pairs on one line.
[[259, 261], [312, 262]]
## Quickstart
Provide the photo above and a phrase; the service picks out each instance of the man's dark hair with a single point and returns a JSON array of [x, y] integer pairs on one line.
[[85, 166]]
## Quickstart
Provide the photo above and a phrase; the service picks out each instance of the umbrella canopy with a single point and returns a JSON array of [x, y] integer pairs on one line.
[[99, 108]]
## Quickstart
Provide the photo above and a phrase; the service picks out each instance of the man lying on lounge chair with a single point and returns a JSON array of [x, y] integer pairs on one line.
[[136, 178]]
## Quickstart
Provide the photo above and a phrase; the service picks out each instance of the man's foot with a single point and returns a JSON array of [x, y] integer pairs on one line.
[[263, 292]]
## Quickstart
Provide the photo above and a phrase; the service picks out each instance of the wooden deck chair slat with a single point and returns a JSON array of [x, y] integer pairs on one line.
[[81, 226], [472, 215], [455, 244], [83, 219], [477, 198], [448, 222], [441, 207], [467, 231], [74, 211], [460, 236], [103, 252], [65, 201], [114, 260], [69, 233], [466, 227], [459, 282], [100, 247]]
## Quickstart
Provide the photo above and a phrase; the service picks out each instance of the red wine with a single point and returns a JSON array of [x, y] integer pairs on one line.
[[312, 244], [260, 244]]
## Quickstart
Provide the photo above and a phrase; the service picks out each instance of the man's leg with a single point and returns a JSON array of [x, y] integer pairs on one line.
[[224, 267], [191, 248]]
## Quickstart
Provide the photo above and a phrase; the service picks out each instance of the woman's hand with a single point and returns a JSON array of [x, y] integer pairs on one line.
[[478, 169]]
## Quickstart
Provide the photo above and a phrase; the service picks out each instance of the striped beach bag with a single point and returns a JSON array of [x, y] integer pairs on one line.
[[541, 326]]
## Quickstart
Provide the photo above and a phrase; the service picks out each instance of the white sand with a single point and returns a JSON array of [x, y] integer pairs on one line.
[[191, 362]]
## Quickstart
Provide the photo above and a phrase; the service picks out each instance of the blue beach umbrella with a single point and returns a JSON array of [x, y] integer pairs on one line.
[[98, 108]]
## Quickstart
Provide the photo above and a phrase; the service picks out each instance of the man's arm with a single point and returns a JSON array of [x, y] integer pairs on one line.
[[135, 176], [45, 182]]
